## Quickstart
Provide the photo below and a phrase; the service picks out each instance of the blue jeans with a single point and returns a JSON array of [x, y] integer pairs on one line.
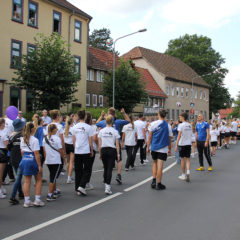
[[178, 159], [18, 183]]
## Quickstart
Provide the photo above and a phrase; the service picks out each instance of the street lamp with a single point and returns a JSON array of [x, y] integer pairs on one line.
[[114, 43]]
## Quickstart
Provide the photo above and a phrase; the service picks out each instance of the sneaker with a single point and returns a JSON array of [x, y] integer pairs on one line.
[[5, 183], [20, 196], [142, 164], [132, 168], [78, 193], [210, 169], [82, 191], [89, 186], [153, 184], [39, 203], [12, 180], [51, 198], [182, 177], [3, 190], [108, 189], [187, 178], [146, 161], [160, 186], [13, 201], [193, 155], [69, 181], [200, 169], [126, 169], [2, 196], [28, 204], [57, 193], [119, 178]]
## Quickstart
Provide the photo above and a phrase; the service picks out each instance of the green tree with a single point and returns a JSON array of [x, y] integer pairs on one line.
[[49, 73], [129, 90], [99, 37], [197, 52], [236, 109]]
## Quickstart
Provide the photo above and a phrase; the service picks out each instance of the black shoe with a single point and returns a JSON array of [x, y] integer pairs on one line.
[[13, 201], [20, 196], [119, 178], [153, 185], [160, 186], [51, 198]]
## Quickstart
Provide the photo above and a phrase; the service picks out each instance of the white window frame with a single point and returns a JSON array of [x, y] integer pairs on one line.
[[100, 100], [204, 95], [94, 96], [88, 99], [182, 92], [90, 75], [201, 94], [102, 76], [98, 76], [196, 94], [177, 91], [173, 91], [187, 92], [168, 90]]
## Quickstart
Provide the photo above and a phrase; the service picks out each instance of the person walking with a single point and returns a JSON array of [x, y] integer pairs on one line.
[[214, 139], [159, 140], [202, 142], [234, 131]]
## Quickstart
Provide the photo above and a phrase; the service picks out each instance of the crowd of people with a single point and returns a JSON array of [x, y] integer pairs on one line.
[[69, 144]]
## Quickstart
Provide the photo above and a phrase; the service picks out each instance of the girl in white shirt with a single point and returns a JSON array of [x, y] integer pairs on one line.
[[30, 165], [68, 139], [227, 131], [129, 139], [214, 139], [193, 138], [53, 152], [109, 149]]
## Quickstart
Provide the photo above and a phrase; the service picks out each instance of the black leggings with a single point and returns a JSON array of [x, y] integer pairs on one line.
[[140, 143], [201, 148], [108, 157], [54, 171], [130, 158], [92, 161]]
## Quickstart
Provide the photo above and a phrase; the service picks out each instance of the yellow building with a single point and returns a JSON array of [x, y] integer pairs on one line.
[[20, 21]]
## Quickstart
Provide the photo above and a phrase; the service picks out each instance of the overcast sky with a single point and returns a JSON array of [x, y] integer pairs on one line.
[[170, 19]]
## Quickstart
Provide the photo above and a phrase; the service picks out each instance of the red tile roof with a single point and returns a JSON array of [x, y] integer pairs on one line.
[[101, 59], [224, 112], [171, 67], [151, 86], [69, 6]]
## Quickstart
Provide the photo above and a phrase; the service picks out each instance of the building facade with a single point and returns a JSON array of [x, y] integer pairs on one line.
[[185, 90], [21, 20]]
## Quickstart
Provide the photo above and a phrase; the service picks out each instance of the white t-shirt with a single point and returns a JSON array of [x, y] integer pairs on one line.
[[186, 134], [140, 125], [33, 144], [108, 136], [46, 120], [227, 129], [3, 137], [234, 126], [95, 132], [222, 129], [69, 138], [59, 127], [154, 125], [214, 135], [82, 132], [130, 135], [9, 126], [52, 156]]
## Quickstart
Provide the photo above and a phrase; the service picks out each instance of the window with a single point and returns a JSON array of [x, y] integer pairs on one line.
[[87, 99], [205, 115], [177, 114], [90, 75], [177, 91], [204, 95], [29, 101], [17, 11], [15, 97], [150, 102], [167, 90], [100, 100], [173, 91], [30, 48], [187, 92], [182, 92], [57, 18], [201, 94], [99, 76], [16, 53], [160, 102], [192, 93], [102, 76], [78, 31], [196, 93], [94, 100], [173, 114], [77, 64], [168, 114], [32, 14]]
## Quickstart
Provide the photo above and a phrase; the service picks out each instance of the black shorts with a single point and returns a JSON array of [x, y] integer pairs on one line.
[[227, 134], [159, 156], [3, 155], [185, 151], [213, 144], [69, 148], [233, 134], [54, 172]]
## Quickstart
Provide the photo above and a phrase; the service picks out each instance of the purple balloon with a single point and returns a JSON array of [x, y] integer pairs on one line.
[[12, 112]]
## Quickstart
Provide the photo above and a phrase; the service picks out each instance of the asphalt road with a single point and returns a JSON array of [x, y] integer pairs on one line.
[[207, 208]]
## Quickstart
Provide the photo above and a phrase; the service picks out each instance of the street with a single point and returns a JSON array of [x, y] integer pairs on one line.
[[207, 208]]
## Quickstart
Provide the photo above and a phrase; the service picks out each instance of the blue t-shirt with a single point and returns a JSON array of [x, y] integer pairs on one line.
[[39, 135], [175, 131], [118, 124], [201, 129]]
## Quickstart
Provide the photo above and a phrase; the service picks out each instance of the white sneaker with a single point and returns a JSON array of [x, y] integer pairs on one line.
[[182, 177], [108, 189], [89, 186], [82, 191], [39, 203], [193, 155], [3, 190], [2, 196], [28, 204], [69, 181], [146, 161]]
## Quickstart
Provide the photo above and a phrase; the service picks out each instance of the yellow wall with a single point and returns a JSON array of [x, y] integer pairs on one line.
[[12, 30]]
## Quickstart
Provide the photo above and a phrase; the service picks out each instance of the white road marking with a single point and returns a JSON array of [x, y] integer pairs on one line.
[[148, 179], [60, 218]]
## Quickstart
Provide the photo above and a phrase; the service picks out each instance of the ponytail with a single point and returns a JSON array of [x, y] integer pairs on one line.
[[27, 131], [131, 121], [51, 128], [69, 122]]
